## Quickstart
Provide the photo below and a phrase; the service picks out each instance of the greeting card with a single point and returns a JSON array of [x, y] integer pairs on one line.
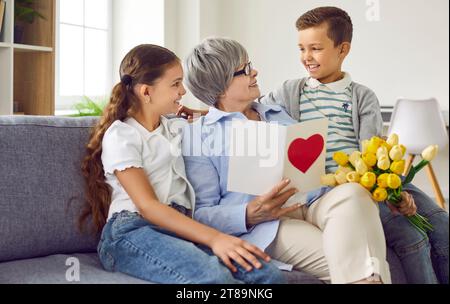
[[262, 154]]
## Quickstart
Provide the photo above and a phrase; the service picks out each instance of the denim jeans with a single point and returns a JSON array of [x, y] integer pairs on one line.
[[424, 258], [132, 245]]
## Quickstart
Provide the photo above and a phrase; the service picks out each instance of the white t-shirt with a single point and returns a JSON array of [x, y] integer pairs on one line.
[[128, 144]]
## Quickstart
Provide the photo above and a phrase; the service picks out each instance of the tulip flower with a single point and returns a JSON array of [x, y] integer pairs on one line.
[[403, 149], [355, 155], [368, 180], [374, 144], [393, 140], [370, 159], [387, 146], [361, 166], [430, 153], [398, 167], [353, 177], [376, 140], [382, 151], [365, 146], [344, 170], [394, 181], [382, 180], [328, 180], [396, 153], [384, 163], [341, 178], [380, 194], [340, 158]]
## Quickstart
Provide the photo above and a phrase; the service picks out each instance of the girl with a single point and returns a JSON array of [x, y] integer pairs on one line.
[[138, 194]]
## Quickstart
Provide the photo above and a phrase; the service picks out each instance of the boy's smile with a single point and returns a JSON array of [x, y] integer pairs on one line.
[[321, 58], [312, 68]]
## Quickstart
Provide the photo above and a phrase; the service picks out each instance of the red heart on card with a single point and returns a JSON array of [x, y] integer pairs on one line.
[[303, 153]]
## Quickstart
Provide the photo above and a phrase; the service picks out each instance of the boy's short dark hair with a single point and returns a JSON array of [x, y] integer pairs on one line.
[[340, 27]]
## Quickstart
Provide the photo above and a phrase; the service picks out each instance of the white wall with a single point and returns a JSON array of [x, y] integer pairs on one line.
[[187, 23], [404, 53], [135, 22]]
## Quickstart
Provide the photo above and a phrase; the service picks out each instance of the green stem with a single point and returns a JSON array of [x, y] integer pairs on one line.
[[421, 223], [421, 165], [414, 170], [417, 226]]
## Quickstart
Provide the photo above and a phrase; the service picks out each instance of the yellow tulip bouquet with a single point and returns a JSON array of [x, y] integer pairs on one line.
[[378, 168]]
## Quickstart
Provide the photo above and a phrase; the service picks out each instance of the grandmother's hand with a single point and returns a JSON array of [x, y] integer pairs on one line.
[[267, 207]]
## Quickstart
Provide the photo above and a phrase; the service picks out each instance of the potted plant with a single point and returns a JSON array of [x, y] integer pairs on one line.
[[89, 107], [24, 13]]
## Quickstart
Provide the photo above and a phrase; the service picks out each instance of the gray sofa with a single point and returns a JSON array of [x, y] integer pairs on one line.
[[41, 191]]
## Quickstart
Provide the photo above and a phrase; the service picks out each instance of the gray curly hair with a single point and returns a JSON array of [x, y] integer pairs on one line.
[[209, 68]]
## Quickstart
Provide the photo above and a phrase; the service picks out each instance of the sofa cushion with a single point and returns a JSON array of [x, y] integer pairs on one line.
[[54, 270], [40, 159]]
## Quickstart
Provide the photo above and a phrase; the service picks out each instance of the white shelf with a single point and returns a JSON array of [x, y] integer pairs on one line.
[[26, 47], [32, 48]]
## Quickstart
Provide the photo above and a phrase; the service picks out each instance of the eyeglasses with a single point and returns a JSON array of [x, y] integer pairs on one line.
[[246, 70]]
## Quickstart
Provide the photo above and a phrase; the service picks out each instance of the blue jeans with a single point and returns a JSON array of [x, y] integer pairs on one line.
[[424, 258], [132, 245]]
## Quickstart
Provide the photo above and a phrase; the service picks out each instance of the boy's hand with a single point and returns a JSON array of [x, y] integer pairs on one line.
[[190, 114], [406, 207]]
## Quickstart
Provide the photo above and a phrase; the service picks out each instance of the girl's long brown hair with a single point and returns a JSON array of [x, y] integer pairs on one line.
[[142, 65]]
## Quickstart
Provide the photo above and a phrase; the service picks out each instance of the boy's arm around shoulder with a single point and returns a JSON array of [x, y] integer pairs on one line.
[[284, 96]]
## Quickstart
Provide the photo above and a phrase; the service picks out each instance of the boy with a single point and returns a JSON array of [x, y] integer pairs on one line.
[[353, 111]]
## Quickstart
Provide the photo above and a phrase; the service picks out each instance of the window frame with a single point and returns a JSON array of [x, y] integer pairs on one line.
[[65, 103]]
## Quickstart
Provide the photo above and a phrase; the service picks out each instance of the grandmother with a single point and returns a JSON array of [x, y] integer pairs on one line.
[[336, 236]]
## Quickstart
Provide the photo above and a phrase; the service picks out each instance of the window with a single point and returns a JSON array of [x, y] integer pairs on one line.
[[84, 51]]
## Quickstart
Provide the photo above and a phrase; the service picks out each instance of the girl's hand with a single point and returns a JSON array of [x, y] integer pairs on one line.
[[228, 248], [406, 207], [268, 206], [190, 114]]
